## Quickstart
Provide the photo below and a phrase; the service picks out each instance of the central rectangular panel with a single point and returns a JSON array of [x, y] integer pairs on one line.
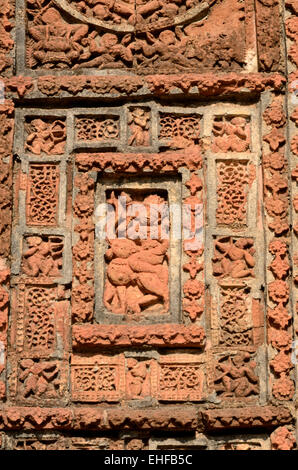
[[138, 249]]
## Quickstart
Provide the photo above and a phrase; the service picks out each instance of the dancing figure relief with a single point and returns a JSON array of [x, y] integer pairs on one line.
[[233, 258], [137, 269]]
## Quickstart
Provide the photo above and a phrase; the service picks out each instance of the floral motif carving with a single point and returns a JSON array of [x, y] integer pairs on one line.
[[235, 324], [193, 288], [276, 203], [179, 131], [179, 382], [97, 129], [232, 189], [39, 332], [83, 251], [98, 379]]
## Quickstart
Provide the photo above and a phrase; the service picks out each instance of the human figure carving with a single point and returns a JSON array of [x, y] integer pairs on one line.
[[108, 52], [169, 48], [46, 137], [137, 271], [139, 123], [234, 258], [42, 257], [137, 377], [237, 377], [109, 10], [231, 135], [58, 43], [159, 8]]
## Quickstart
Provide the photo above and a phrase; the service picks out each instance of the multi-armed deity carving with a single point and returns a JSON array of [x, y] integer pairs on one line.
[[137, 266]]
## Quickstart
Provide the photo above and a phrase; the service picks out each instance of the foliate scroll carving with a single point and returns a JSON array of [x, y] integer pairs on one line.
[[105, 378], [97, 129], [42, 194], [179, 131], [39, 332], [45, 136], [232, 192], [235, 327], [234, 258], [99, 378], [235, 376], [231, 134], [42, 256], [137, 266], [180, 379]]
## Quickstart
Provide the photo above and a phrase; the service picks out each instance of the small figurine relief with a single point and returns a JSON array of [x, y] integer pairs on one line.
[[231, 134], [97, 129], [235, 376], [137, 267], [42, 256], [137, 378], [233, 258], [139, 126], [46, 136]]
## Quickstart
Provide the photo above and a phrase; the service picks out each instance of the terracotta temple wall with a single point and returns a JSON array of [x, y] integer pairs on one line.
[[186, 107]]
